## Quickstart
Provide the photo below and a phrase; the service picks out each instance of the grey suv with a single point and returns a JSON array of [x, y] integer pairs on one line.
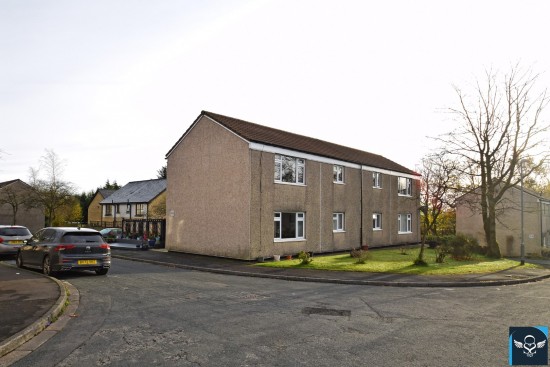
[[12, 238], [56, 249]]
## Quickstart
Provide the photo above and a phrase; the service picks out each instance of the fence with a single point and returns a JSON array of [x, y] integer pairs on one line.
[[136, 228]]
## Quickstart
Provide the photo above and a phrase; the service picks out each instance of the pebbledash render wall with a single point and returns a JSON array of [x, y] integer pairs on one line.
[[222, 196], [536, 222], [208, 193]]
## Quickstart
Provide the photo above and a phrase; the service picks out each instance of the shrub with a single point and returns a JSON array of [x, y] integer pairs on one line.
[[545, 252], [433, 241], [360, 255], [459, 247], [305, 257], [441, 252], [463, 247]]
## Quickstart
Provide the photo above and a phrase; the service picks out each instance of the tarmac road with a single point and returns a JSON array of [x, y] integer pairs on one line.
[[199, 302]]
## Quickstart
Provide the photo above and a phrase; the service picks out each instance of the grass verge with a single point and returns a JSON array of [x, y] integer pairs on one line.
[[400, 261]]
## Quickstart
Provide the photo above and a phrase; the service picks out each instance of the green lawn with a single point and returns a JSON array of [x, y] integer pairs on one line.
[[398, 261]]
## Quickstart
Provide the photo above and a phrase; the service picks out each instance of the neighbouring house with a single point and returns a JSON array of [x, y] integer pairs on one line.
[[95, 210], [135, 200], [536, 221], [139, 208], [15, 207], [242, 190]]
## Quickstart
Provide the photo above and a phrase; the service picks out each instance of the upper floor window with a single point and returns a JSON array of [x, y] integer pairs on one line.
[[377, 221], [376, 180], [404, 223], [289, 225], [404, 186], [338, 172], [289, 169], [338, 222], [140, 210]]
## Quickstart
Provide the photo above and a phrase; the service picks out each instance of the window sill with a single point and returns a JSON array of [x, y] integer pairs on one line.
[[405, 195], [290, 183], [404, 232], [338, 183], [377, 229], [377, 187], [289, 240], [339, 231]]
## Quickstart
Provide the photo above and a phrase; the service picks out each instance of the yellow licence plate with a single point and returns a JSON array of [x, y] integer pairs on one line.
[[87, 262], [16, 242]]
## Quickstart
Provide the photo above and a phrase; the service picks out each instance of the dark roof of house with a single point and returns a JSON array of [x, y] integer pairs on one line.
[[105, 192], [266, 135], [6, 183], [137, 192]]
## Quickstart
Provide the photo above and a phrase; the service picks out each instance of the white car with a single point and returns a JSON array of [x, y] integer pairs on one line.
[[12, 238]]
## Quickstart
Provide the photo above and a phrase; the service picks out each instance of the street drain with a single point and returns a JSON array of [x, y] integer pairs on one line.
[[325, 311]]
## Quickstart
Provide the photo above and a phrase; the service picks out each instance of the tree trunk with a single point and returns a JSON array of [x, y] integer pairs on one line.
[[14, 218], [490, 232]]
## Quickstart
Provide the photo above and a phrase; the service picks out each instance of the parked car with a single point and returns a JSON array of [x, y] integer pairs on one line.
[[111, 234], [56, 249], [12, 238]]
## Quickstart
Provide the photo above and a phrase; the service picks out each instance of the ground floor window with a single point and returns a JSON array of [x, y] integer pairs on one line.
[[338, 222], [377, 221], [140, 210], [404, 223], [289, 225]]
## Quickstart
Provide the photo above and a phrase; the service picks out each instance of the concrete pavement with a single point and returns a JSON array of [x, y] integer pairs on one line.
[[30, 301]]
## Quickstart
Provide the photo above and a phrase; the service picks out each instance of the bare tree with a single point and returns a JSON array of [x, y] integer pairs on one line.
[[439, 179], [16, 198], [52, 192], [499, 126]]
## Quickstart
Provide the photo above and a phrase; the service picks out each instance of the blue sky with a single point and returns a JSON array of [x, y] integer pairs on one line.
[[111, 85]]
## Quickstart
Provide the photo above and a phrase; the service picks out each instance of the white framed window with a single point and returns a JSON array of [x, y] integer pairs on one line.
[[404, 186], [377, 180], [289, 226], [338, 222], [404, 223], [338, 172], [377, 221], [290, 169]]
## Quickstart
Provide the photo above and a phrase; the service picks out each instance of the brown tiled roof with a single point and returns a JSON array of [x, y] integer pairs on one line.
[[283, 139]]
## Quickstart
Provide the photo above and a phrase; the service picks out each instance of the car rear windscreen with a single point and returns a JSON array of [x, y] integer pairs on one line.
[[14, 232], [81, 237]]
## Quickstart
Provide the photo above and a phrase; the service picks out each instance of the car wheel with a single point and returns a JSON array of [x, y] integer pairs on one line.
[[101, 271], [19, 260], [47, 266]]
